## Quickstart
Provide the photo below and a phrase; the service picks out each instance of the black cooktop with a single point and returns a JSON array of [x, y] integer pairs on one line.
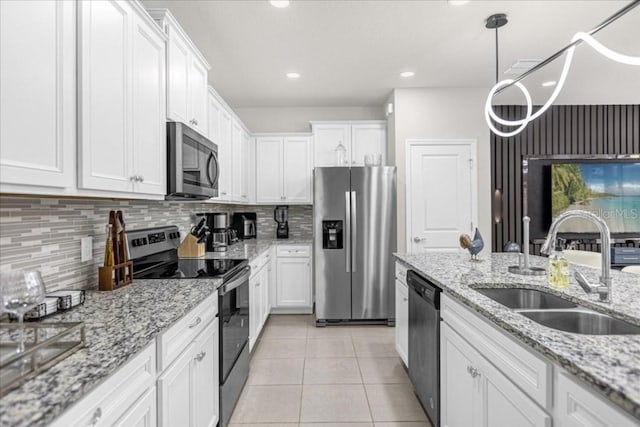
[[190, 268]]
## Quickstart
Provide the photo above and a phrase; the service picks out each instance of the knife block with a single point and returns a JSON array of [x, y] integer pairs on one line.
[[190, 248]]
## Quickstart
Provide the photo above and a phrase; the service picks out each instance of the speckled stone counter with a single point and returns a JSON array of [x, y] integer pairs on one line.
[[252, 248], [609, 364], [119, 324]]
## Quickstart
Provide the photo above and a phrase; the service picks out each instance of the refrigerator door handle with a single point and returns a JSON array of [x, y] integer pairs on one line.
[[347, 235], [354, 226]]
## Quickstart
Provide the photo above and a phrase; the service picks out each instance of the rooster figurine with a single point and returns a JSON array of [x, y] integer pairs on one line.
[[473, 246]]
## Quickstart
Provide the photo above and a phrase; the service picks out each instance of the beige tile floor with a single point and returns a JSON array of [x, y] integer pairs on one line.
[[342, 376]]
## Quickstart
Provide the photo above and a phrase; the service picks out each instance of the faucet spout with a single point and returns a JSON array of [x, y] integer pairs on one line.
[[604, 289]]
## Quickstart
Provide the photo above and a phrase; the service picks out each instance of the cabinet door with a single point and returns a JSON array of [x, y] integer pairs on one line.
[[269, 169], [38, 87], [175, 389], [214, 109], [266, 289], [143, 413], [105, 88], [326, 138], [178, 67], [254, 309], [298, 169], [198, 96], [206, 377], [368, 139], [225, 158], [402, 321], [237, 156], [149, 104], [460, 390], [249, 167], [294, 282], [505, 405]]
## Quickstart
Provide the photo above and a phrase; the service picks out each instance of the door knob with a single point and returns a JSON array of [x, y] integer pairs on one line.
[[419, 239]]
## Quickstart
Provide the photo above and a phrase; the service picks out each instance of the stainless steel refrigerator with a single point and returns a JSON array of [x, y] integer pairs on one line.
[[354, 228]]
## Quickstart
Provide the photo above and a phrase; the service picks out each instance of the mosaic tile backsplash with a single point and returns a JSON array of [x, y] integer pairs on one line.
[[45, 233]]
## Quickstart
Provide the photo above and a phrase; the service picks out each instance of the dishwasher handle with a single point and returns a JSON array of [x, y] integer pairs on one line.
[[426, 289]]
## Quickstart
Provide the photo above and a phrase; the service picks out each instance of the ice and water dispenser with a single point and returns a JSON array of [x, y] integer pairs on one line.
[[332, 235]]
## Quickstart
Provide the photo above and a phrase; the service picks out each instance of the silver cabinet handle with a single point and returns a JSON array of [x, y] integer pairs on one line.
[[473, 371], [133, 178], [354, 231], [141, 178], [97, 414], [405, 299], [200, 356], [223, 193], [419, 239], [196, 323]]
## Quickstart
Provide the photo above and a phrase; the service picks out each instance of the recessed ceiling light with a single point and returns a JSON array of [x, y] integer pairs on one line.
[[293, 75], [458, 2], [407, 74], [549, 83], [279, 3]]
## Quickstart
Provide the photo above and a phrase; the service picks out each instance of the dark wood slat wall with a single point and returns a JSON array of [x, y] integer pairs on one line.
[[563, 129]]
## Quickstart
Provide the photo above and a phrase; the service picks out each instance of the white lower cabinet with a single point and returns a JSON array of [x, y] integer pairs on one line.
[[143, 413], [475, 393], [293, 286], [402, 321], [577, 406], [259, 301], [123, 396]]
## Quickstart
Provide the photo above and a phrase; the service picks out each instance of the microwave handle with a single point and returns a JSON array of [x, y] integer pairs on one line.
[[212, 181]]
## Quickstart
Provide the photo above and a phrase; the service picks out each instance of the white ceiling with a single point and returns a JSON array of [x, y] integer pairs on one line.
[[350, 53]]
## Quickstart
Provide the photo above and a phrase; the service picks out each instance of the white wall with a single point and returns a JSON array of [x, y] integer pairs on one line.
[[442, 113], [296, 119]]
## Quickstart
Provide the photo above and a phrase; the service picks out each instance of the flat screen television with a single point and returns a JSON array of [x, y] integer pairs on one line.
[[610, 190]]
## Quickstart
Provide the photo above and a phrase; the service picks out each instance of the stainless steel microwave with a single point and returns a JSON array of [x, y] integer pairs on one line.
[[192, 164]]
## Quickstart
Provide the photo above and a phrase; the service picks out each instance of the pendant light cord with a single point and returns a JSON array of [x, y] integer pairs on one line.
[[496, 55]]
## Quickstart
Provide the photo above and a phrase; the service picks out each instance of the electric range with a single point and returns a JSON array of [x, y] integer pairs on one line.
[[155, 256]]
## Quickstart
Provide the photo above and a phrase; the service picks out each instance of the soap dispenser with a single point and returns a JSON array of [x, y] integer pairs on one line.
[[558, 272]]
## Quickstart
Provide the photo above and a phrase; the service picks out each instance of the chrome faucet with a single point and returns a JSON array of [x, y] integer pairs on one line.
[[604, 287]]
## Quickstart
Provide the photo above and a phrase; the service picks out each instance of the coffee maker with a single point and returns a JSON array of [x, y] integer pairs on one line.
[[219, 225], [281, 216]]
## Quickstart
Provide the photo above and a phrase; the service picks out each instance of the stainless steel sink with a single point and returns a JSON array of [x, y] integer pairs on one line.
[[582, 322], [527, 299]]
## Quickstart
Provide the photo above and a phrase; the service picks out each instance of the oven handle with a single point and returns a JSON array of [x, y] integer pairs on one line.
[[236, 282]]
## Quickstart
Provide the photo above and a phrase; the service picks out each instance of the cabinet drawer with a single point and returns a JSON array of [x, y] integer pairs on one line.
[[174, 340], [113, 398], [294, 250], [401, 272], [527, 370], [259, 262]]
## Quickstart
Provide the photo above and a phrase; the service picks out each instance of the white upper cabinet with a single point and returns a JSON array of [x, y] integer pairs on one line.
[[284, 169], [186, 75], [122, 94], [358, 138], [239, 160], [38, 87], [219, 126]]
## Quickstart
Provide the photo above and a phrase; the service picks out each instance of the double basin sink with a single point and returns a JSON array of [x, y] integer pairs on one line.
[[558, 313]]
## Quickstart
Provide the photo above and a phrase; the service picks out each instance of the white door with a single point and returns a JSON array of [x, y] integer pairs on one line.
[[105, 86], [38, 87], [460, 404], [298, 169], [265, 287], [206, 377], [142, 413], [149, 104], [505, 405], [441, 195], [175, 391], [294, 282], [198, 96], [225, 156], [326, 138], [238, 159], [368, 139], [254, 309], [269, 169], [178, 66], [402, 321], [248, 168]]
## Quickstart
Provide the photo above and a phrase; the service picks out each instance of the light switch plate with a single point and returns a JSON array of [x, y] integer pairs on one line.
[[86, 249]]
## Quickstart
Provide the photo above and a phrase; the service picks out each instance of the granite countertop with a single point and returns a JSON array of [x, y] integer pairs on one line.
[[609, 364], [119, 325]]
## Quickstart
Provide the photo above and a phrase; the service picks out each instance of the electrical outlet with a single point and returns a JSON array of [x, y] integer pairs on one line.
[[86, 249]]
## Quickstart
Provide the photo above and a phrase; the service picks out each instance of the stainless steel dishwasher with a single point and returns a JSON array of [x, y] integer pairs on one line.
[[424, 343]]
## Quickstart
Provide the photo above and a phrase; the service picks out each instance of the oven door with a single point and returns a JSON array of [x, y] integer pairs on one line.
[[233, 306], [193, 168]]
